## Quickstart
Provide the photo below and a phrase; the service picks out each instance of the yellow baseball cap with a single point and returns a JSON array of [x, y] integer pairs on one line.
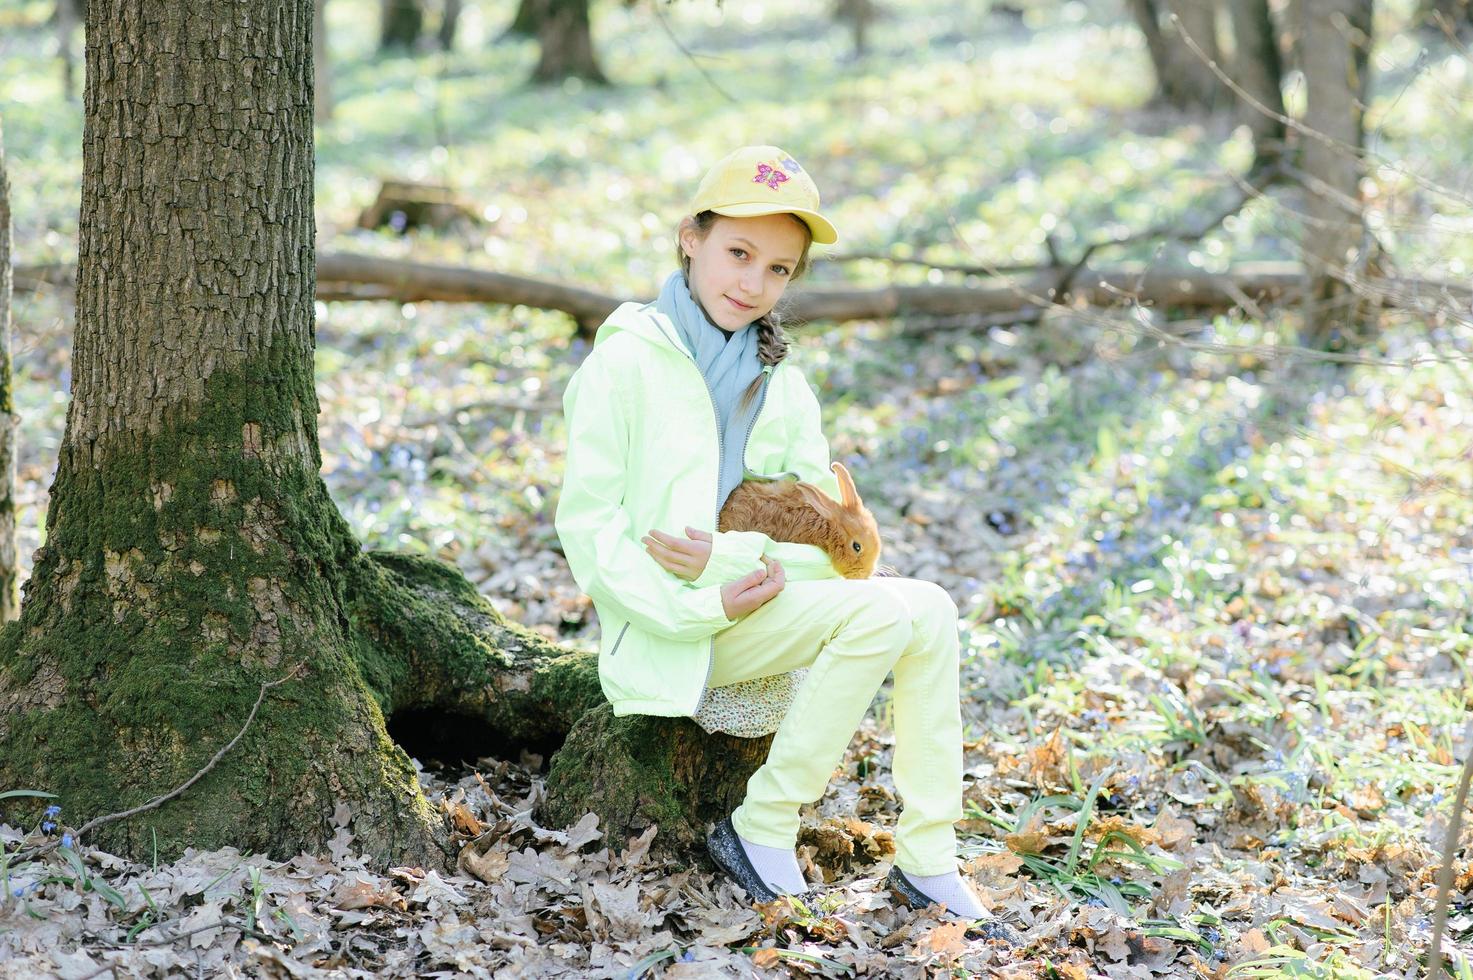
[[757, 180]]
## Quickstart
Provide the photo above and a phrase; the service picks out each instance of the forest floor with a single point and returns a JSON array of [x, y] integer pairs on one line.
[[1215, 596]]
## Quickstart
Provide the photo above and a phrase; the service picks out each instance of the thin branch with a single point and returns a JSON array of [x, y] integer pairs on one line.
[[158, 801], [660, 15], [1449, 852]]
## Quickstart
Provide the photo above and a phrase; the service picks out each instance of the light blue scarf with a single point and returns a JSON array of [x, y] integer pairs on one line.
[[728, 367]]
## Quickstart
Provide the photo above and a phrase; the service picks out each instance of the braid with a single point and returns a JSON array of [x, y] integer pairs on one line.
[[772, 347]]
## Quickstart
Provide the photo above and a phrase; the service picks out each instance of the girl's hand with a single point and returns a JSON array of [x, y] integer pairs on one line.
[[685, 557], [746, 594]]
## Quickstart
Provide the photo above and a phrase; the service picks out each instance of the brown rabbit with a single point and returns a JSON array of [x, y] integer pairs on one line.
[[790, 510]]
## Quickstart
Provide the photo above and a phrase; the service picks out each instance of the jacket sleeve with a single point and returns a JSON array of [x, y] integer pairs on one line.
[[733, 555], [808, 450], [606, 558]]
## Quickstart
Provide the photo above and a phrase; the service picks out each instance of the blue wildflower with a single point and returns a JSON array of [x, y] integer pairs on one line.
[[53, 810], [66, 840]]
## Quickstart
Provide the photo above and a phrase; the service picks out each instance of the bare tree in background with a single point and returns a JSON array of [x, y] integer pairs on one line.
[[321, 66], [529, 17], [449, 22], [1183, 79], [1335, 45], [859, 15], [401, 22], [566, 40], [66, 16], [9, 567], [1258, 70]]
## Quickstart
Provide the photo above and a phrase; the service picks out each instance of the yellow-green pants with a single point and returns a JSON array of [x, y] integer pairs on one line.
[[851, 633]]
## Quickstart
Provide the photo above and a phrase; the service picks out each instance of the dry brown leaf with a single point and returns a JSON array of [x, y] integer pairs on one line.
[[1048, 764], [464, 820], [766, 957], [946, 941], [994, 868], [1173, 830], [357, 893]]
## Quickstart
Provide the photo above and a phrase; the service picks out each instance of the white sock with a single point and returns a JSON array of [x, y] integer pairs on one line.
[[951, 889], [777, 866]]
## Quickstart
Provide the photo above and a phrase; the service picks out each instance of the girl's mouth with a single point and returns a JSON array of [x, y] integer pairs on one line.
[[740, 306]]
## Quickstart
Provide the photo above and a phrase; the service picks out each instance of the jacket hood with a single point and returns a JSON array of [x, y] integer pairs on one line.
[[642, 320]]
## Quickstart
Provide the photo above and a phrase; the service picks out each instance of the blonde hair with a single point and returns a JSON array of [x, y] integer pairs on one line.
[[772, 342]]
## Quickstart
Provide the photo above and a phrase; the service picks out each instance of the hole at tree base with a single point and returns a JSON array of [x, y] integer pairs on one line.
[[445, 741]]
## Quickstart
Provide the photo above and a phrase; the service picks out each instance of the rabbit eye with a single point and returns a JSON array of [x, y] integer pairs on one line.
[[857, 547]]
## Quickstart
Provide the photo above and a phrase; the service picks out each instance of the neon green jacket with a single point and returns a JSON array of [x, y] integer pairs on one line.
[[643, 453]]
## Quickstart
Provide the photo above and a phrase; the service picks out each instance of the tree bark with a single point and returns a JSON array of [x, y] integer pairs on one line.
[[566, 42], [9, 567], [400, 25], [1336, 38]]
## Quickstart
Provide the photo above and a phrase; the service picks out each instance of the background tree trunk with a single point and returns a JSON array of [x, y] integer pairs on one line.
[[1336, 41], [1183, 80], [321, 66], [449, 21], [66, 17], [567, 44], [529, 17], [859, 15], [9, 568], [400, 25], [192, 552], [1259, 71]]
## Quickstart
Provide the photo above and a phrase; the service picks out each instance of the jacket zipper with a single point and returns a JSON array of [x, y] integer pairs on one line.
[[720, 459], [767, 370], [619, 640]]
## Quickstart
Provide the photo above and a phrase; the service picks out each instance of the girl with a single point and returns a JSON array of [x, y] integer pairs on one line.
[[682, 614]]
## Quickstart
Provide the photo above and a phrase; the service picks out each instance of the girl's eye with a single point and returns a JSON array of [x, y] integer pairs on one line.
[[739, 253], [781, 270]]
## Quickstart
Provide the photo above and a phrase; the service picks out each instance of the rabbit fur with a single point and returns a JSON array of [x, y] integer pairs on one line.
[[791, 510]]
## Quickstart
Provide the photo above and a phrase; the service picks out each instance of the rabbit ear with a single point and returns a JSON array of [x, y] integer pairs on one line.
[[848, 496], [817, 499]]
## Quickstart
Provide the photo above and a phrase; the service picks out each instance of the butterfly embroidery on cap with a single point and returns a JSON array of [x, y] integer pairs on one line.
[[769, 175]]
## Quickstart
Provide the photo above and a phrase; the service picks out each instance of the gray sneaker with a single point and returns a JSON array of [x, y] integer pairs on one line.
[[727, 851], [914, 898]]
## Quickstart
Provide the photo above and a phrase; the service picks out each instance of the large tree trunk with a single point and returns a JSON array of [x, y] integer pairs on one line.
[[1259, 71], [1336, 36], [9, 570], [401, 23], [192, 552], [566, 40], [1183, 79]]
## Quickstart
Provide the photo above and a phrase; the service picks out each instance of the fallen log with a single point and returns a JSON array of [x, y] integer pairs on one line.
[[349, 277]]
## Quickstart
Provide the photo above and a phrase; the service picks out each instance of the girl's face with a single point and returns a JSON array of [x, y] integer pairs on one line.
[[739, 270]]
